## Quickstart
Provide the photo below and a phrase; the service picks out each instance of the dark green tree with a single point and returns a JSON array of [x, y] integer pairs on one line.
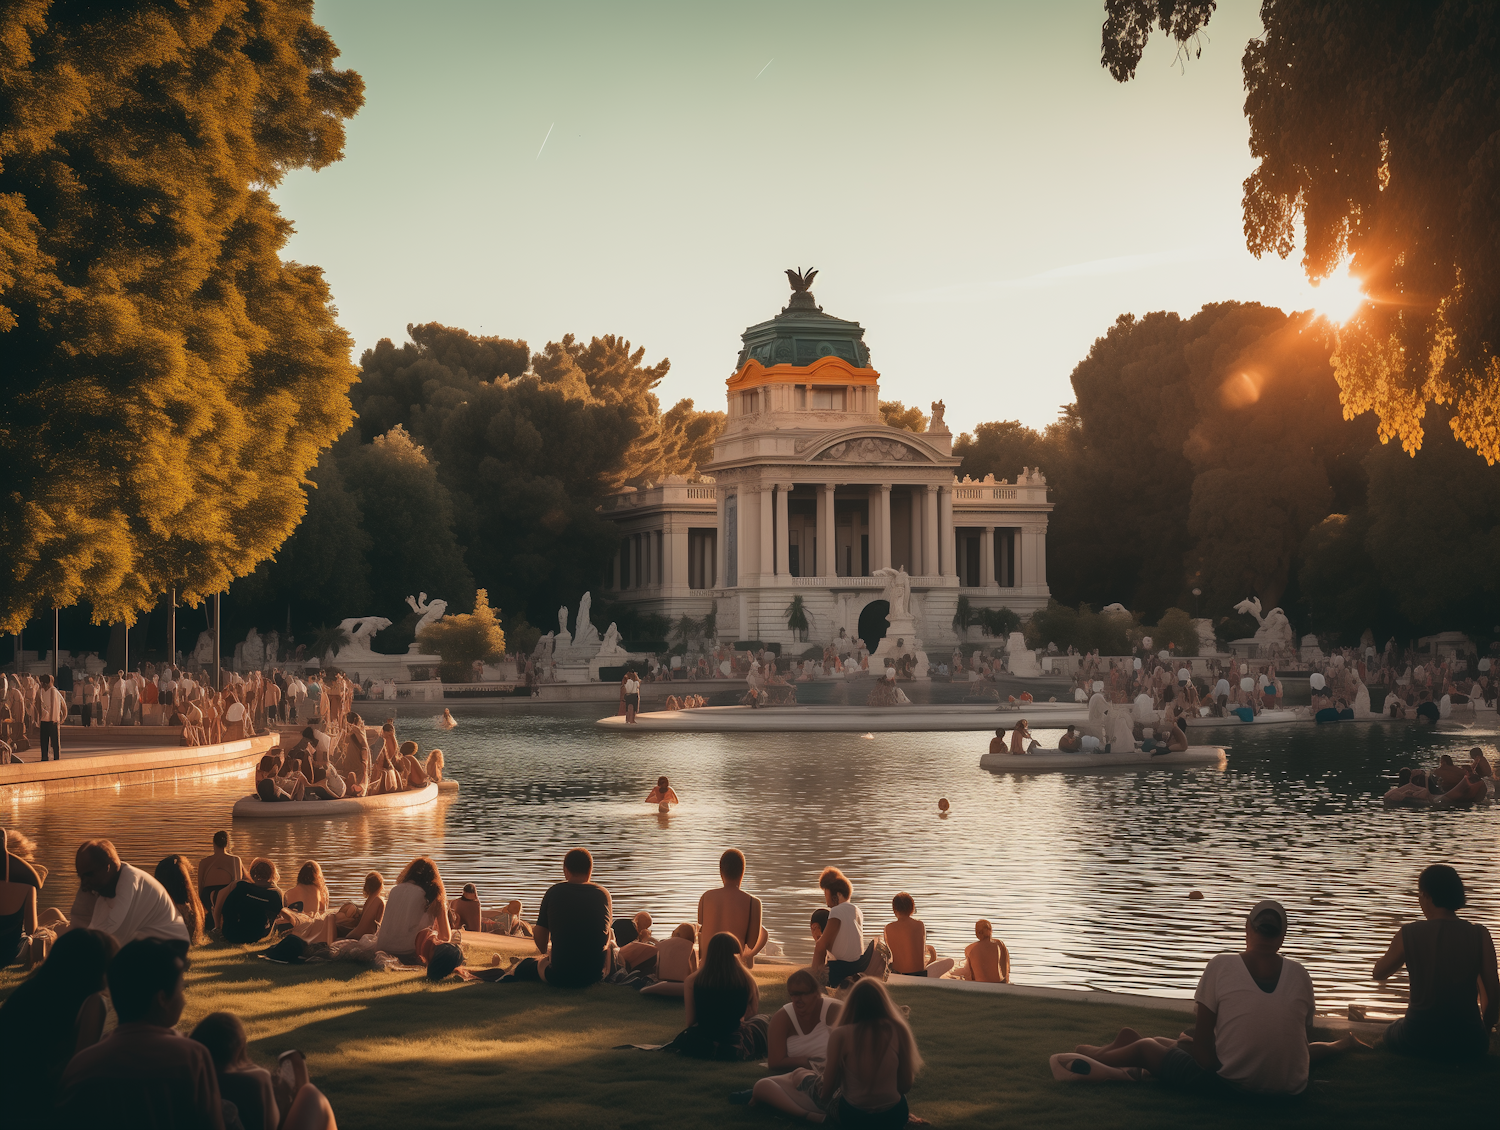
[[1374, 125]]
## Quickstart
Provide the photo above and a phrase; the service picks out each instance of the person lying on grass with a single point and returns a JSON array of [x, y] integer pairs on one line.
[[1254, 1016]]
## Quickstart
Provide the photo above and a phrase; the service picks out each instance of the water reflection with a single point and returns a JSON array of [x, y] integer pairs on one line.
[[1086, 877]]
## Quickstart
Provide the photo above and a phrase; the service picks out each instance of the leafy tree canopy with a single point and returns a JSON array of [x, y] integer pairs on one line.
[[1375, 129], [169, 380], [898, 415], [465, 639]]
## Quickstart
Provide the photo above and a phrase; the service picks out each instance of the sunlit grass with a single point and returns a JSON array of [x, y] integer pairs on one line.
[[392, 1050]]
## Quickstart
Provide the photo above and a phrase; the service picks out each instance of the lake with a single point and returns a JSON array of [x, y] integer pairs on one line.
[[1086, 877]]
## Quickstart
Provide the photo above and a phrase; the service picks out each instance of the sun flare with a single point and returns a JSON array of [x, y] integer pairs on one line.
[[1339, 296]]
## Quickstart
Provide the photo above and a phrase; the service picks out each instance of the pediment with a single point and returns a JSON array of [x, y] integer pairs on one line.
[[869, 445]]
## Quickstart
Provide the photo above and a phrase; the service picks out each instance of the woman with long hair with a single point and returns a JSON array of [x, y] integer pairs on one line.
[[57, 1011], [310, 895], [416, 914], [873, 1056], [176, 875], [721, 1001], [434, 766], [259, 1097], [799, 1047]]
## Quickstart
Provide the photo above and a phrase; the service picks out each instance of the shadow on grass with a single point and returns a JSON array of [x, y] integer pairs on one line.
[[390, 1049]]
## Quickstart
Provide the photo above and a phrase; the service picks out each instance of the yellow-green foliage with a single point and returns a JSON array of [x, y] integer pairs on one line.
[[168, 380], [462, 639]]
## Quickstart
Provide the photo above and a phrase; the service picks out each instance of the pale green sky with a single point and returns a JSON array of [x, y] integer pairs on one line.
[[970, 184]]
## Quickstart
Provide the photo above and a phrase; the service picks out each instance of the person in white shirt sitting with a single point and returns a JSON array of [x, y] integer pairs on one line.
[[123, 901], [1254, 1016]]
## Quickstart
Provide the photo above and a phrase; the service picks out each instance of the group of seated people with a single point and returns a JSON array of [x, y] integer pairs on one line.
[[131, 932], [314, 770], [1447, 784], [685, 702]]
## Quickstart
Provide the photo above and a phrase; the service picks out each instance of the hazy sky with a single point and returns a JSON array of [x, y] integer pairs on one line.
[[969, 182]]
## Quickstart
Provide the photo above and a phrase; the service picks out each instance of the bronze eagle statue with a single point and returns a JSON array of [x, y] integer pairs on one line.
[[801, 282]]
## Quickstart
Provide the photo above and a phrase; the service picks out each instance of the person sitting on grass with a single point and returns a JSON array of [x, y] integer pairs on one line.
[[1451, 966], [258, 1097], [416, 914], [310, 895], [872, 1061], [676, 959], [143, 1066], [843, 943], [176, 877], [819, 964], [1255, 1013], [247, 910], [123, 901], [798, 1049], [721, 1002], [573, 921], [51, 1016], [639, 955], [906, 938], [215, 872], [368, 920], [727, 909], [986, 959]]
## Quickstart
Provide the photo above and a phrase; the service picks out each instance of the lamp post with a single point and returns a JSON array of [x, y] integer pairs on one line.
[[1196, 594]]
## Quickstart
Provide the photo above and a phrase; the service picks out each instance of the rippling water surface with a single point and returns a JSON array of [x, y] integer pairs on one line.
[[1085, 876]]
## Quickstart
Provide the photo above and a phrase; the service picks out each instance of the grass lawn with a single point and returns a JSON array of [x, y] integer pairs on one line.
[[391, 1050]]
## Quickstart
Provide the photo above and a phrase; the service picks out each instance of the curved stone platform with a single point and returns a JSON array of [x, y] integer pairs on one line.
[[139, 765], [1055, 761], [912, 718]]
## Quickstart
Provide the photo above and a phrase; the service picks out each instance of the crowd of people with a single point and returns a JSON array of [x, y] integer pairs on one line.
[[321, 767], [1446, 785], [839, 1047]]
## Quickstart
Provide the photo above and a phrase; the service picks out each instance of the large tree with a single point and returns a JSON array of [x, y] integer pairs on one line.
[[1377, 129], [168, 379]]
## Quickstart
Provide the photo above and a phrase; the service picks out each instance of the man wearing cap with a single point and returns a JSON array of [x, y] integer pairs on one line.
[[1255, 1012]]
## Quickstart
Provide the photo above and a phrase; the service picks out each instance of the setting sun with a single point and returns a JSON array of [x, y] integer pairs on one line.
[[1339, 296]]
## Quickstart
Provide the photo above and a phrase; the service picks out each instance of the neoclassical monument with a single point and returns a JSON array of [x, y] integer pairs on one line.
[[810, 493]]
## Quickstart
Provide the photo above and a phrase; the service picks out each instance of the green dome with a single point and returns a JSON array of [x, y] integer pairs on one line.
[[802, 333]]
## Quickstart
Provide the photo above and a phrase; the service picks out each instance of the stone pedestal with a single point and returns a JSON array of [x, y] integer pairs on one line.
[[1021, 659]]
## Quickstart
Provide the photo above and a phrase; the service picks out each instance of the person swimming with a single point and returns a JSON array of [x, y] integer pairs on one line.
[[662, 796], [446, 720]]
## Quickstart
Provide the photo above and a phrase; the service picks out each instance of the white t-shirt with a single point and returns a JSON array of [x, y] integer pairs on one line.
[[1143, 709], [850, 943], [632, 685], [1261, 1037], [405, 909], [141, 908]]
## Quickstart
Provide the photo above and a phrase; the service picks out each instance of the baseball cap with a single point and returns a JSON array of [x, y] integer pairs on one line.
[[1267, 917]]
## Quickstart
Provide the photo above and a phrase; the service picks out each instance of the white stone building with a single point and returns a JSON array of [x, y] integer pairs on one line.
[[809, 493]]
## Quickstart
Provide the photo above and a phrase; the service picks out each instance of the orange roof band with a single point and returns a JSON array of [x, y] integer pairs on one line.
[[825, 370]]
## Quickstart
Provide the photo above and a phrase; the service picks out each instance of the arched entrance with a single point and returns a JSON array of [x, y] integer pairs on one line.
[[872, 622]]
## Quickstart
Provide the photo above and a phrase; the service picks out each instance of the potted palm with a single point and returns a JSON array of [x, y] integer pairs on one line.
[[796, 618]]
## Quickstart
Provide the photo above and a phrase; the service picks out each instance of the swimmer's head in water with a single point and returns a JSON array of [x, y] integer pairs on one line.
[[1403, 777], [982, 929], [943, 804], [1445, 760]]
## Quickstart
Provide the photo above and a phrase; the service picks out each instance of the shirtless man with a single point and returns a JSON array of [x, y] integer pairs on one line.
[[998, 743], [907, 939], [1470, 788], [217, 871], [730, 910], [1071, 741], [987, 959], [1480, 764]]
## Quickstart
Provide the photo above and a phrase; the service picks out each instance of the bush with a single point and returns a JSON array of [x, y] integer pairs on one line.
[[1177, 629], [1235, 626], [461, 640], [1080, 628], [998, 622]]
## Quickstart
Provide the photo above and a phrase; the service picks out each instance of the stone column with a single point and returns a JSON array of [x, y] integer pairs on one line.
[[721, 544], [930, 538], [946, 543], [676, 558], [857, 532], [914, 566], [987, 556], [880, 528], [767, 537], [825, 530], [783, 531], [1041, 557]]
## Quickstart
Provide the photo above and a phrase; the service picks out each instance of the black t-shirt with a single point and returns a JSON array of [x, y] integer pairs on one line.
[[249, 911], [1429, 711], [577, 916]]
